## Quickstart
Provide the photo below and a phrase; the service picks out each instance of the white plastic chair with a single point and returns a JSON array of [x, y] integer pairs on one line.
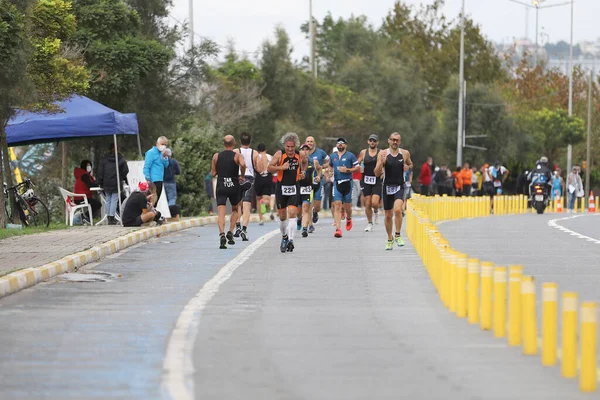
[[71, 208]]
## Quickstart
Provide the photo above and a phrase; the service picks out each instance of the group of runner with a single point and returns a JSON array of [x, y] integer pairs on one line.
[[297, 171]]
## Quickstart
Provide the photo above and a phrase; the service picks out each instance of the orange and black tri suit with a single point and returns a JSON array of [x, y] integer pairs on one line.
[[286, 194]]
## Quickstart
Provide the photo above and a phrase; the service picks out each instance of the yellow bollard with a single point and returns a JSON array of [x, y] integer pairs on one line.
[[461, 286], [514, 305], [487, 289], [569, 335], [529, 318], [500, 302], [588, 379], [473, 291], [549, 323], [453, 260]]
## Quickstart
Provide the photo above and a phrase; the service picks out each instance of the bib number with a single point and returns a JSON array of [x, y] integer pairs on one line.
[[497, 183], [391, 190], [305, 189], [288, 190], [370, 180]]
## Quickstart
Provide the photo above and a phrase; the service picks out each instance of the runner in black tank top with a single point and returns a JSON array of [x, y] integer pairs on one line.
[[392, 162], [226, 167], [371, 184]]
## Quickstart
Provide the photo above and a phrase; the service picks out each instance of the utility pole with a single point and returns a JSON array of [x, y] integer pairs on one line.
[[191, 18], [588, 166], [570, 147], [461, 84], [313, 42]]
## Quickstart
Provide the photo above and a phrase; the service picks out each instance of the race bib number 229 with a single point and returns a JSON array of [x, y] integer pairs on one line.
[[288, 190]]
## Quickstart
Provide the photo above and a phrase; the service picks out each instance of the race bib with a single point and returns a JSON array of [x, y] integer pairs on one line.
[[391, 190], [370, 180], [288, 190], [497, 183], [305, 189]]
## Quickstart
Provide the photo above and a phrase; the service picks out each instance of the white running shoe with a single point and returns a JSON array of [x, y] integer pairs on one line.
[[369, 228]]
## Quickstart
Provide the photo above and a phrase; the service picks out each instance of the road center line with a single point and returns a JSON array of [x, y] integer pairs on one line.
[[554, 224], [178, 367]]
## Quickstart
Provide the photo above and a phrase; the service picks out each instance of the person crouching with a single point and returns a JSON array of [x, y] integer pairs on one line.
[[139, 209]]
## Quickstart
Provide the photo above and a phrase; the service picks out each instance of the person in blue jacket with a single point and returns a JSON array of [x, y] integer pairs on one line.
[[155, 162]]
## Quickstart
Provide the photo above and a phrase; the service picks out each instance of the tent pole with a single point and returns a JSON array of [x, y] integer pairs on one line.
[[139, 146], [118, 178]]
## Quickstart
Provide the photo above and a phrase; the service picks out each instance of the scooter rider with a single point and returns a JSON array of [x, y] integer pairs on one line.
[[540, 174]]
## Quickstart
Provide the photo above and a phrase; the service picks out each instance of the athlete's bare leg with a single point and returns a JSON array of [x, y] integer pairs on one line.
[[368, 209], [336, 209], [234, 217], [398, 207], [306, 215], [389, 214], [221, 211]]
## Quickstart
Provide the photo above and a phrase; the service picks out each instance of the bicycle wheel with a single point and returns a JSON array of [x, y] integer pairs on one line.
[[39, 214]]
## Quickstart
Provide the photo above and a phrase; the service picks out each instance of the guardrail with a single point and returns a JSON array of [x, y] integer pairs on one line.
[[504, 301]]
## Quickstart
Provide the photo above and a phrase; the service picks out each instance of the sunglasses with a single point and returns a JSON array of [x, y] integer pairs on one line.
[[372, 140]]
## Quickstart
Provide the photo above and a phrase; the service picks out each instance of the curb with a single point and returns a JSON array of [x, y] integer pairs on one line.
[[27, 277]]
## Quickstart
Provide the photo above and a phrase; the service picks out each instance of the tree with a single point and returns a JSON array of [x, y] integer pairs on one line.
[[38, 66]]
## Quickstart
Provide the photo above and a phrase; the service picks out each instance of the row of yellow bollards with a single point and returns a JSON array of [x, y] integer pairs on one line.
[[481, 292]]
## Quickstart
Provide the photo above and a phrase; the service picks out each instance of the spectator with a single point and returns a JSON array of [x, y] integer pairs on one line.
[[488, 185], [458, 181], [467, 178], [425, 176], [475, 181], [155, 162], [443, 181], [327, 188], [574, 186], [107, 179], [557, 185], [84, 180], [357, 198], [171, 171], [138, 209]]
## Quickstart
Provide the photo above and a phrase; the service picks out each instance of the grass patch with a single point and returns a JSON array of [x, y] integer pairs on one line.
[[6, 233]]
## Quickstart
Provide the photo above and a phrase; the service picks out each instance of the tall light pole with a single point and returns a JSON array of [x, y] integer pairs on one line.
[[570, 146], [313, 50], [588, 162], [461, 84], [191, 18]]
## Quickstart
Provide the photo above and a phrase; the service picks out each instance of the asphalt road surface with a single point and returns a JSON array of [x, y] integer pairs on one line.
[[335, 319]]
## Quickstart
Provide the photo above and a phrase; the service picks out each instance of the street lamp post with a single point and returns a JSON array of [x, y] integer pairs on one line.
[[570, 146], [461, 84]]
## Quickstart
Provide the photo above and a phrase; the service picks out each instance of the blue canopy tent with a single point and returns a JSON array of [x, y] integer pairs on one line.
[[80, 117]]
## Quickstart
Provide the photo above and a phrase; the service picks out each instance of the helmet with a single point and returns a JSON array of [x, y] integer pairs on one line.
[[544, 160], [28, 194]]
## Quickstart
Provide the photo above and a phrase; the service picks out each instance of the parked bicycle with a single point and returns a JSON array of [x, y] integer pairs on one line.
[[32, 211]]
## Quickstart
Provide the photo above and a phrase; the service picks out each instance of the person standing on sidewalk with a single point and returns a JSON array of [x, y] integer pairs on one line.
[[107, 179], [344, 164], [155, 162], [425, 176], [290, 167], [393, 162], [371, 184], [252, 167], [169, 179], [229, 168], [574, 185]]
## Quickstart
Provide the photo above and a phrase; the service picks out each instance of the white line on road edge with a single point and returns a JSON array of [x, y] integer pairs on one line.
[[553, 223], [178, 367]]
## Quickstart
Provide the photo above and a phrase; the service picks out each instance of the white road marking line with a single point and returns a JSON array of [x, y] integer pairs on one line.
[[178, 367], [554, 224]]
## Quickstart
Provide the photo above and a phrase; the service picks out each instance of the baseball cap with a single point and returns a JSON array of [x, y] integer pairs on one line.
[[305, 145], [342, 140], [143, 186], [373, 136]]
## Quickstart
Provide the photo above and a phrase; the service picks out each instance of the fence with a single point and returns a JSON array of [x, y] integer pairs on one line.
[[501, 300]]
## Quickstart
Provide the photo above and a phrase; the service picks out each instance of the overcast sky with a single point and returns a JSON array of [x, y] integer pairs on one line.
[[250, 22]]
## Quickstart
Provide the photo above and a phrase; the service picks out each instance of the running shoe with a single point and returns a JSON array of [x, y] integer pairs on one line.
[[369, 227], [315, 218], [311, 229], [338, 233], [272, 217], [223, 241], [290, 246], [348, 224], [284, 244], [389, 245], [238, 231], [298, 224], [376, 218], [399, 241], [229, 237], [244, 236], [304, 233], [263, 208], [261, 223]]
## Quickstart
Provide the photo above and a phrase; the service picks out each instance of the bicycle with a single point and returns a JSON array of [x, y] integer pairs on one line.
[[32, 210]]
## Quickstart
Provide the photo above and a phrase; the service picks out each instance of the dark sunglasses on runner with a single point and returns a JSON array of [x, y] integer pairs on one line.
[[372, 140]]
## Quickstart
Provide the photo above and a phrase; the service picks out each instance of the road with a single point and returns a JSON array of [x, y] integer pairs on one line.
[[336, 319]]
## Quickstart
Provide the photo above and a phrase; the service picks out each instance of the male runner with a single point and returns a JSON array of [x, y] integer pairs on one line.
[[371, 184], [251, 160], [393, 161], [307, 186], [263, 183], [344, 164], [290, 167], [319, 159], [229, 168]]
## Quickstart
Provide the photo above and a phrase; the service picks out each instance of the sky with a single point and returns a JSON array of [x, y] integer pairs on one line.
[[249, 22]]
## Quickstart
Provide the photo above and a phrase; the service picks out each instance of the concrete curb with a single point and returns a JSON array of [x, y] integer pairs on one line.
[[24, 278]]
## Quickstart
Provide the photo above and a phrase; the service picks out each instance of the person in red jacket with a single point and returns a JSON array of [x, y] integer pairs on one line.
[[425, 176], [84, 180]]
